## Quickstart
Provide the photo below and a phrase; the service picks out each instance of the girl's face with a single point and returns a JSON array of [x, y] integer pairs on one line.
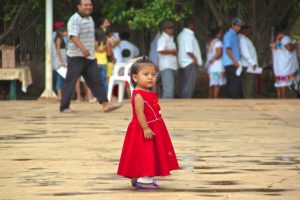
[[220, 35], [146, 77], [65, 33]]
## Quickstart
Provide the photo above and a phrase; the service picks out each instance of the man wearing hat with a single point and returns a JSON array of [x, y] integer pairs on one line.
[[167, 61], [231, 58]]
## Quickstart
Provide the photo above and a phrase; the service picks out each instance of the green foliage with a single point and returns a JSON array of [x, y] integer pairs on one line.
[[147, 14], [9, 11]]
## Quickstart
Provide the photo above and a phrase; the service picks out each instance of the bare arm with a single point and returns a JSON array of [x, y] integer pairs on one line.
[[139, 109], [192, 55], [230, 54], [58, 50], [217, 56], [290, 47], [77, 42], [168, 52]]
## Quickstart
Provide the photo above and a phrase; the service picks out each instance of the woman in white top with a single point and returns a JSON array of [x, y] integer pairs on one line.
[[214, 64], [285, 63]]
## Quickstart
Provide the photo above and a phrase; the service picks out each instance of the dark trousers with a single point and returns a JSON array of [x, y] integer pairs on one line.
[[248, 83], [234, 83], [188, 77], [88, 69]]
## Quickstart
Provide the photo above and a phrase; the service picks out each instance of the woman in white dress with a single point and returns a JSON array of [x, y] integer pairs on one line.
[[285, 63], [214, 63]]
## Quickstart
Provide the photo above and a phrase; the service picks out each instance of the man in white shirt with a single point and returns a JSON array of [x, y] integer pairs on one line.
[[189, 57], [167, 61], [128, 49], [248, 59]]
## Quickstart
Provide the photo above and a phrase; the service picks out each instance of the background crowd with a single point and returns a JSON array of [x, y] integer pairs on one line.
[[231, 60]]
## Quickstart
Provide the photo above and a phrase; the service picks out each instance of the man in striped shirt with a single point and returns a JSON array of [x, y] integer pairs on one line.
[[81, 58]]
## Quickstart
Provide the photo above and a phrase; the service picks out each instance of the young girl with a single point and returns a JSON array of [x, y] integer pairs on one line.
[[214, 64], [60, 46], [147, 150]]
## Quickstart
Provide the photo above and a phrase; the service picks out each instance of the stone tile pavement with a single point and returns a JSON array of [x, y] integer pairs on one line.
[[227, 150]]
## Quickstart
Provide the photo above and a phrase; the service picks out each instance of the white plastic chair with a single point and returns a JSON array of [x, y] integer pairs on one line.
[[120, 79]]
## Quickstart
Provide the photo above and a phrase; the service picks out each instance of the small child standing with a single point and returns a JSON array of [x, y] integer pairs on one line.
[[147, 151]]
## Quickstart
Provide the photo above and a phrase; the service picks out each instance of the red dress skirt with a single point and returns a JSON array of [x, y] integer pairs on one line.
[[141, 157]]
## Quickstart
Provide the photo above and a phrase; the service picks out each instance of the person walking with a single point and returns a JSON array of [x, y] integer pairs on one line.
[[231, 59], [147, 151], [81, 58], [189, 57], [167, 60]]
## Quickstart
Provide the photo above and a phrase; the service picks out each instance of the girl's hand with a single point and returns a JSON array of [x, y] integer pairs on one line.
[[223, 74], [148, 133]]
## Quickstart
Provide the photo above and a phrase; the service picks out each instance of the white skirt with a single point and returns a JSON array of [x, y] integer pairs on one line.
[[216, 79], [285, 81]]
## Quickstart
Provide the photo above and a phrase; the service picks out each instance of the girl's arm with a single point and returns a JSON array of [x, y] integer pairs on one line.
[[218, 55], [139, 109], [57, 45]]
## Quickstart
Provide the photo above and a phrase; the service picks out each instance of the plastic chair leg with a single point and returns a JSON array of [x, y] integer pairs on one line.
[[110, 88], [121, 91]]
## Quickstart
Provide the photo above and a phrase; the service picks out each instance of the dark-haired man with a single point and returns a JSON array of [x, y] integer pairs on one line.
[[231, 59], [189, 57], [81, 58]]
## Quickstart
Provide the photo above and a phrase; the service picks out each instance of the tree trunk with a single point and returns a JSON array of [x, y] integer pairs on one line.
[[13, 23]]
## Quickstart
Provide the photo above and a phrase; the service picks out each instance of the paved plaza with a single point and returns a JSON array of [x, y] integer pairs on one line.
[[227, 150]]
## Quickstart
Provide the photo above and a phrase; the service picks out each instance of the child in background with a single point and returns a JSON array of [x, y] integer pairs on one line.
[[147, 151], [101, 56], [214, 63], [60, 46], [111, 60]]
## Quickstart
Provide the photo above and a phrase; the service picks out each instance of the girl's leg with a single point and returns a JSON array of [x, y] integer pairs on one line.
[[282, 92], [216, 91], [78, 90], [146, 183], [89, 95], [210, 92], [59, 85], [145, 180]]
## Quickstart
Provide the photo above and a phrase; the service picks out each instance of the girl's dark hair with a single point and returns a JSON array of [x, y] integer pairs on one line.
[[137, 66], [60, 31], [215, 31]]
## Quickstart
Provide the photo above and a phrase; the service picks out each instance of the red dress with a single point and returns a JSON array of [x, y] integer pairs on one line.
[[141, 157]]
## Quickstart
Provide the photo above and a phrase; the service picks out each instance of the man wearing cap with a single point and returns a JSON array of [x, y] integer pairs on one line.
[[189, 57], [167, 61], [81, 58], [231, 58]]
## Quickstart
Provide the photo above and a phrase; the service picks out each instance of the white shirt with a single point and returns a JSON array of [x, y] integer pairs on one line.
[[187, 42], [134, 51], [217, 65], [166, 61], [153, 55], [118, 54], [84, 29], [248, 52]]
